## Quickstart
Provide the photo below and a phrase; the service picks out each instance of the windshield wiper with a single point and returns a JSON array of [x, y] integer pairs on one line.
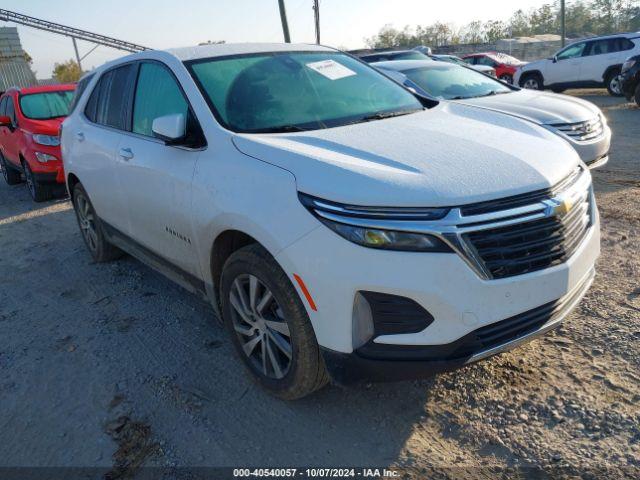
[[282, 129], [383, 115]]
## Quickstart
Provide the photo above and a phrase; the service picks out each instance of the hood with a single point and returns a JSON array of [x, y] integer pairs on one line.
[[44, 127], [539, 107], [535, 65], [449, 155]]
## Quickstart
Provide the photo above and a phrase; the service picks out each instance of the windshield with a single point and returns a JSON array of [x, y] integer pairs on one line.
[[453, 82], [408, 56], [297, 91], [43, 106]]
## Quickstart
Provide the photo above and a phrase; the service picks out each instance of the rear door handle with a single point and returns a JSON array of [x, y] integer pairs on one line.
[[80, 136], [126, 153]]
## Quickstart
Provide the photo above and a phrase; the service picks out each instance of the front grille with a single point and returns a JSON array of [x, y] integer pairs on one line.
[[523, 199], [581, 131], [533, 245]]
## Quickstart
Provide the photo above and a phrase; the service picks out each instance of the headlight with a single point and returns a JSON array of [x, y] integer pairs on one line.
[[347, 221], [627, 65], [47, 140]]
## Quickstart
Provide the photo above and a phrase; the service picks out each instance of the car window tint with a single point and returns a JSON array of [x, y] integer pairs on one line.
[[82, 86], [157, 94], [11, 111], [92, 104], [625, 44], [3, 106], [486, 61], [113, 103], [602, 47], [572, 51]]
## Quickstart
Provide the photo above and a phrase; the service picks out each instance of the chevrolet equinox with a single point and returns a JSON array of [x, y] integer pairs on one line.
[[341, 226]]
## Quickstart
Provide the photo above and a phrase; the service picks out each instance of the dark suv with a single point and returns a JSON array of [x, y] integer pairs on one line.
[[630, 79]]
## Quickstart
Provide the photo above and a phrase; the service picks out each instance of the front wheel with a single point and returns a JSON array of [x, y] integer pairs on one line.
[[38, 191], [269, 325], [637, 95], [91, 228], [507, 78], [532, 81], [614, 84]]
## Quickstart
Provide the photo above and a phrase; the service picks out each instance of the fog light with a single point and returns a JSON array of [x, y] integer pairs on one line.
[[362, 321], [45, 157]]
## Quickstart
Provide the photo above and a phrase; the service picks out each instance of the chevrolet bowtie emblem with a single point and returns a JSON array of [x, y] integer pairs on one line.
[[558, 208]]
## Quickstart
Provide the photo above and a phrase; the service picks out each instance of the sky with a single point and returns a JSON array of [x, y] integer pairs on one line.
[[168, 23]]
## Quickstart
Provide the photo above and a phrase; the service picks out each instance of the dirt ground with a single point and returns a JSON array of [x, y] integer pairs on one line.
[[112, 365]]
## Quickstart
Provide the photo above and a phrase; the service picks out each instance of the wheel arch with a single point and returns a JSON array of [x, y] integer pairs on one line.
[[528, 73], [72, 181], [610, 70]]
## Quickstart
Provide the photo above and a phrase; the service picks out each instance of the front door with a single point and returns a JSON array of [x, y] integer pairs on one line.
[[567, 65], [156, 177]]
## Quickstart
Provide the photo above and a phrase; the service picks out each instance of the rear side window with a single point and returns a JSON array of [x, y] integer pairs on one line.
[[625, 44], [82, 86], [109, 103], [157, 94]]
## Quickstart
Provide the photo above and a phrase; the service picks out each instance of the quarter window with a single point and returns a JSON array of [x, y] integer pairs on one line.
[[11, 111], [157, 95]]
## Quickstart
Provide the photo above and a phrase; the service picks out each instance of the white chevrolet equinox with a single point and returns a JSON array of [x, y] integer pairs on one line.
[[341, 226]]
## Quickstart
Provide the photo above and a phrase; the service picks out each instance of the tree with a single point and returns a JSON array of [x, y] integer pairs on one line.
[[495, 30], [67, 72], [28, 58], [520, 24]]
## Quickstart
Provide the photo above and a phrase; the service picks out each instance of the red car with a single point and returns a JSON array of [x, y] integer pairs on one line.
[[30, 121], [504, 65]]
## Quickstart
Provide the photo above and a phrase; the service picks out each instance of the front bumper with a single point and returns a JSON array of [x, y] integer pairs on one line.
[[424, 362], [629, 82], [51, 172], [594, 153]]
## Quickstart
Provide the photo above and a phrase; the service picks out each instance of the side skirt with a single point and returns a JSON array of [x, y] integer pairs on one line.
[[172, 272]]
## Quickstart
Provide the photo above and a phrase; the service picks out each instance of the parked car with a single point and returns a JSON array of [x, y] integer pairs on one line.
[[595, 62], [579, 122], [504, 65], [332, 217], [630, 79], [30, 120], [458, 61], [393, 55]]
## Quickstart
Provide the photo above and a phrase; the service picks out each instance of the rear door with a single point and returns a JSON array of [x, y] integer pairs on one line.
[[567, 65], [156, 177], [94, 140], [599, 55]]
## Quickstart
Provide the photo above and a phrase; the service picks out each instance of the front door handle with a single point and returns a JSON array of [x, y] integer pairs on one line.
[[80, 136], [126, 153]]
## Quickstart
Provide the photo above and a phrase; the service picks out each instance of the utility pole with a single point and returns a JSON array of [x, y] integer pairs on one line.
[[75, 47], [285, 25], [562, 22], [316, 11]]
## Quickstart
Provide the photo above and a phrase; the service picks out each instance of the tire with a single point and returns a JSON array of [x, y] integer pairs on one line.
[[636, 95], [507, 78], [287, 376], [91, 228], [532, 81], [614, 87], [38, 191], [10, 174]]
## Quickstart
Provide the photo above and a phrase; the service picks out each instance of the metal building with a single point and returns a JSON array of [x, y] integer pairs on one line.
[[14, 69]]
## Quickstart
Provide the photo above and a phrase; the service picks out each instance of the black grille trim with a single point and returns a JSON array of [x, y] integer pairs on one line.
[[393, 314], [534, 245], [521, 200]]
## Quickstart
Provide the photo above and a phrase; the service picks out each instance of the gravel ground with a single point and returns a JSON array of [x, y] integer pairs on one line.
[[114, 366]]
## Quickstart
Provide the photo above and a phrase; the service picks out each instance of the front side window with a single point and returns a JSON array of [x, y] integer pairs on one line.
[[489, 62], [3, 106], [157, 95], [292, 91], [454, 82], [46, 105], [408, 56], [572, 51], [11, 110]]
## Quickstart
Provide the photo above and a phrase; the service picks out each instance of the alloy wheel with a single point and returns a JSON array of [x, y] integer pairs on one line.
[[615, 85], [260, 325], [531, 83], [3, 165], [87, 221], [31, 182]]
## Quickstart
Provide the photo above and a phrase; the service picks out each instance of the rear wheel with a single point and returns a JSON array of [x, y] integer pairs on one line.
[[10, 174], [532, 81], [269, 325], [90, 226], [38, 191], [614, 84]]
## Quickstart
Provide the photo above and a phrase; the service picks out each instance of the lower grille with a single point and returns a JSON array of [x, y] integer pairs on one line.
[[581, 131], [535, 245]]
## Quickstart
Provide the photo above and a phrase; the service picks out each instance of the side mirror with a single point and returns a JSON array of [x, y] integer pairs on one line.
[[170, 128], [5, 121], [554, 59]]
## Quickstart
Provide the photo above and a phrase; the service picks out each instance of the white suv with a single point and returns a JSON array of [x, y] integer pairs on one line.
[[593, 62], [340, 226]]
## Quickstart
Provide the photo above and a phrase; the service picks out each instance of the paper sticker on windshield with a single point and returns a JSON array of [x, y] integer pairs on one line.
[[331, 69]]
